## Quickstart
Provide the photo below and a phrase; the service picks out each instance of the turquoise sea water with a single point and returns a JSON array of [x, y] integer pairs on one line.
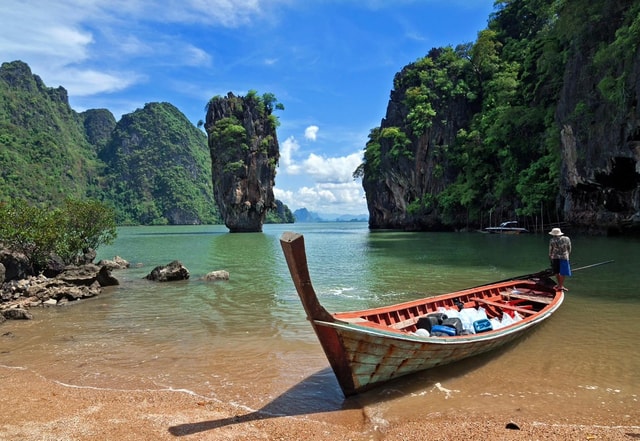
[[246, 341]]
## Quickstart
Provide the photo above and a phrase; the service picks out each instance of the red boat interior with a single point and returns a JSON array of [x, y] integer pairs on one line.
[[524, 297]]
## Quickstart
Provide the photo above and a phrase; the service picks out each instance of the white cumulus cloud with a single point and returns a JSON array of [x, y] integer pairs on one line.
[[337, 170], [89, 82], [287, 150], [311, 132], [347, 198], [332, 188]]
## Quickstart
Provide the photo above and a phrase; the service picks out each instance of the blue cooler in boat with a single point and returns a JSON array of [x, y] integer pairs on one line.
[[440, 330], [482, 326]]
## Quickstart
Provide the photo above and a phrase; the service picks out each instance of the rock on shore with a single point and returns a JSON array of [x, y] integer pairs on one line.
[[73, 283]]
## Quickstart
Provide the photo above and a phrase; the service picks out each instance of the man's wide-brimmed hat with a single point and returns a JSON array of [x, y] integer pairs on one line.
[[556, 232]]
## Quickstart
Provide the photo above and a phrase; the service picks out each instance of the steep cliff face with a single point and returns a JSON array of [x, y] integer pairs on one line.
[[412, 164], [244, 155], [600, 125]]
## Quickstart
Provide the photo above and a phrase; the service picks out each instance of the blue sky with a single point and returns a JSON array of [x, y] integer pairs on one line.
[[331, 64]]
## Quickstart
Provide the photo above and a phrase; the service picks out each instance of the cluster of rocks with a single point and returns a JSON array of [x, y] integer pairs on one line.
[[59, 285], [177, 271]]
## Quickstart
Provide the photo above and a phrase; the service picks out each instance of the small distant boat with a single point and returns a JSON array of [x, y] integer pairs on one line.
[[509, 227], [369, 347]]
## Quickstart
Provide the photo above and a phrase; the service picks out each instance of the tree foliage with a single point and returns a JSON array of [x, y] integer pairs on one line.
[[40, 232], [86, 224]]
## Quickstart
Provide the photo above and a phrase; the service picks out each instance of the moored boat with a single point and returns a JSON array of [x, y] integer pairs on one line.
[[509, 227], [369, 347]]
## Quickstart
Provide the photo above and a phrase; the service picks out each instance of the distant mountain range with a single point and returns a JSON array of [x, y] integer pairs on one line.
[[304, 215]]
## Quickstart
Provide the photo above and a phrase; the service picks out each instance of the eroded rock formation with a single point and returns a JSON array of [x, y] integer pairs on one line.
[[421, 172], [600, 139], [244, 154]]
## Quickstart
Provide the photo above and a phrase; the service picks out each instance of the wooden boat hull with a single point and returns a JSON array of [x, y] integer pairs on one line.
[[369, 347], [371, 357]]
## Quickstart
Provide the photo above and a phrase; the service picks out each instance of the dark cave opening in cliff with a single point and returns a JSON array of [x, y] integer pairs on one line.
[[623, 176]]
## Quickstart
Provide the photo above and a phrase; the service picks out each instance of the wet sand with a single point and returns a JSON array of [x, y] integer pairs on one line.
[[37, 408]]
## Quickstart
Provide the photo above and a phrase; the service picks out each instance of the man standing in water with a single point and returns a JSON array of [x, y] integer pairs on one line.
[[559, 251]]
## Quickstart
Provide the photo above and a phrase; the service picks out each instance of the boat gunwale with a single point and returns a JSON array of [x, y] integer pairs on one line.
[[442, 297], [388, 332]]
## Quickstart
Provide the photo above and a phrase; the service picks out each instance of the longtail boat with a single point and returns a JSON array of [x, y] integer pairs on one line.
[[369, 347]]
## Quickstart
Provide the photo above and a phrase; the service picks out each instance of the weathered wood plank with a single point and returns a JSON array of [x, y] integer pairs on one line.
[[505, 306]]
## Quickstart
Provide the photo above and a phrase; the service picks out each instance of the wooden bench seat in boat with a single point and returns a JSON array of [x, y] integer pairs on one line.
[[531, 298], [505, 306]]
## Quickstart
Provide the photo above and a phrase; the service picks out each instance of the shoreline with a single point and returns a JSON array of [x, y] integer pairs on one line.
[[35, 407]]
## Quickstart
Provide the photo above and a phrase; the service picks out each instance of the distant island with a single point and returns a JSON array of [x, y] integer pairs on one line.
[[303, 215]]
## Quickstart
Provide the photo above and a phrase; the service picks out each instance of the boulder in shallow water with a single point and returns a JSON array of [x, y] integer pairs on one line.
[[104, 277], [87, 275], [217, 275], [16, 265], [115, 264], [169, 273], [80, 275]]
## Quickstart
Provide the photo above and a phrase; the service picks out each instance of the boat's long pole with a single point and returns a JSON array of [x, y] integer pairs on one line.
[[548, 272], [592, 265]]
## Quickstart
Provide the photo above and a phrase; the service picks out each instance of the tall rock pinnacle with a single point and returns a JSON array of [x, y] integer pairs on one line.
[[244, 155]]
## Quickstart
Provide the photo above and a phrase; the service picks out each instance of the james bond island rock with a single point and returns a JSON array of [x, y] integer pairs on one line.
[[244, 155]]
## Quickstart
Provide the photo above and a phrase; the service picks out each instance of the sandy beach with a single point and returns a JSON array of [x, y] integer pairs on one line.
[[37, 408]]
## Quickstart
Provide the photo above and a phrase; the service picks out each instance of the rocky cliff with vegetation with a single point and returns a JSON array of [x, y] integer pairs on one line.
[[44, 153], [244, 155], [536, 120], [158, 168], [597, 114], [152, 165]]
